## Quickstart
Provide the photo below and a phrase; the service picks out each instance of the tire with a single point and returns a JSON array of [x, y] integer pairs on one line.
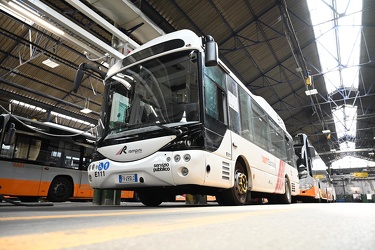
[[61, 190], [151, 198], [219, 199], [237, 195], [286, 198]]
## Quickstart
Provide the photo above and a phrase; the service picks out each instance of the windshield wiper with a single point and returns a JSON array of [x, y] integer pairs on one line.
[[173, 130]]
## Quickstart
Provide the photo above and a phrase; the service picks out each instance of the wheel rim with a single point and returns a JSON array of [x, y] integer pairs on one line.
[[60, 190], [241, 183]]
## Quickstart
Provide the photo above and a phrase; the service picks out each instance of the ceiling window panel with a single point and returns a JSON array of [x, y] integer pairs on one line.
[[337, 28], [345, 118]]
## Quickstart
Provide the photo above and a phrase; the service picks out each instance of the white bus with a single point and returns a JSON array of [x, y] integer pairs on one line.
[[176, 120]]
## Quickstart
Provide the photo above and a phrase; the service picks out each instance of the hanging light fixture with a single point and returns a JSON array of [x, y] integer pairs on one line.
[[51, 63], [86, 109]]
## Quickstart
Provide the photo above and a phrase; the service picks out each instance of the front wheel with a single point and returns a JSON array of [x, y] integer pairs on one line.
[[238, 193], [151, 198]]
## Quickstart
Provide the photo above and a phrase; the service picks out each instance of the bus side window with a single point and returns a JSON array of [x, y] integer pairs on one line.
[[44, 154], [277, 141], [215, 99], [27, 148], [260, 124], [245, 110], [234, 110]]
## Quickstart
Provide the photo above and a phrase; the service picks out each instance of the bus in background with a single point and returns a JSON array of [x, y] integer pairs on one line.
[[44, 160], [177, 121], [327, 191], [313, 177], [308, 185]]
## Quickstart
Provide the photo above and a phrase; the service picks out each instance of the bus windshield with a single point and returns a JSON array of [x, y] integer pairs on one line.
[[159, 91]]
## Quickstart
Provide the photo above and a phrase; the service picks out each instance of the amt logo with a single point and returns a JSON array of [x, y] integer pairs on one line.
[[103, 166], [122, 150]]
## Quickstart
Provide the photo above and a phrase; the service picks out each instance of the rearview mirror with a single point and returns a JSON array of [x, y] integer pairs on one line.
[[211, 52]]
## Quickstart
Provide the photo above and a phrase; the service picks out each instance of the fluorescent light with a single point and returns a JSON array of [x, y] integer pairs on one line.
[[15, 14], [26, 105], [86, 111], [327, 131], [311, 92], [50, 63], [35, 18], [71, 118]]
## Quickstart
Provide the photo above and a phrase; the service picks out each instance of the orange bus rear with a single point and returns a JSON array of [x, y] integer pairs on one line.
[[45, 160]]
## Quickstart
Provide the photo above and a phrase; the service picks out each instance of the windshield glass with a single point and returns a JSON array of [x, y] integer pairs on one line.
[[160, 91]]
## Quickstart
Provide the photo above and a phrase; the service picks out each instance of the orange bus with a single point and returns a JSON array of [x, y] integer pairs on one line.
[[314, 181], [44, 160]]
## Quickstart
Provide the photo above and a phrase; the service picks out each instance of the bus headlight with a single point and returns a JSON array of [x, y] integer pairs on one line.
[[306, 186], [187, 157], [90, 178], [184, 171], [177, 158]]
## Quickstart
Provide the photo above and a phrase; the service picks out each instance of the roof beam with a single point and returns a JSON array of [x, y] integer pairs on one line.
[[72, 27], [102, 22]]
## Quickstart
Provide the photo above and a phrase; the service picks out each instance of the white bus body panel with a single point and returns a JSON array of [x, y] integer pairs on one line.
[[267, 172], [134, 150], [158, 169], [161, 169]]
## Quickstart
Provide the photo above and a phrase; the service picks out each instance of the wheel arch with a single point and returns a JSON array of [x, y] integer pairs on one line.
[[242, 159], [287, 180]]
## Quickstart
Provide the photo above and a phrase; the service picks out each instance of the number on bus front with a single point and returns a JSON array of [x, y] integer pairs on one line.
[[99, 173]]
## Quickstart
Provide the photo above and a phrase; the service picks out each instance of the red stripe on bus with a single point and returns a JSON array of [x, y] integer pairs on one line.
[[280, 178]]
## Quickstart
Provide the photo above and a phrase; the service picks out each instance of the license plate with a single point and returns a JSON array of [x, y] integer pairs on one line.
[[128, 178]]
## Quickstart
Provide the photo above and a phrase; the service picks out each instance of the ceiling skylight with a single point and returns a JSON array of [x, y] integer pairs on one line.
[[337, 28], [318, 164], [345, 118], [347, 146]]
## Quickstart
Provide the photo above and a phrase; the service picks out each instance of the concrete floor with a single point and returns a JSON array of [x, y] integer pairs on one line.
[[82, 225]]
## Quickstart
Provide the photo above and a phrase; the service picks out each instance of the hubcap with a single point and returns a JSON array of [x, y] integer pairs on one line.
[[60, 190], [241, 183]]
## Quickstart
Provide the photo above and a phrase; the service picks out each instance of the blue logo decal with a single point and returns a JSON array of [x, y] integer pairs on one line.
[[104, 166]]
